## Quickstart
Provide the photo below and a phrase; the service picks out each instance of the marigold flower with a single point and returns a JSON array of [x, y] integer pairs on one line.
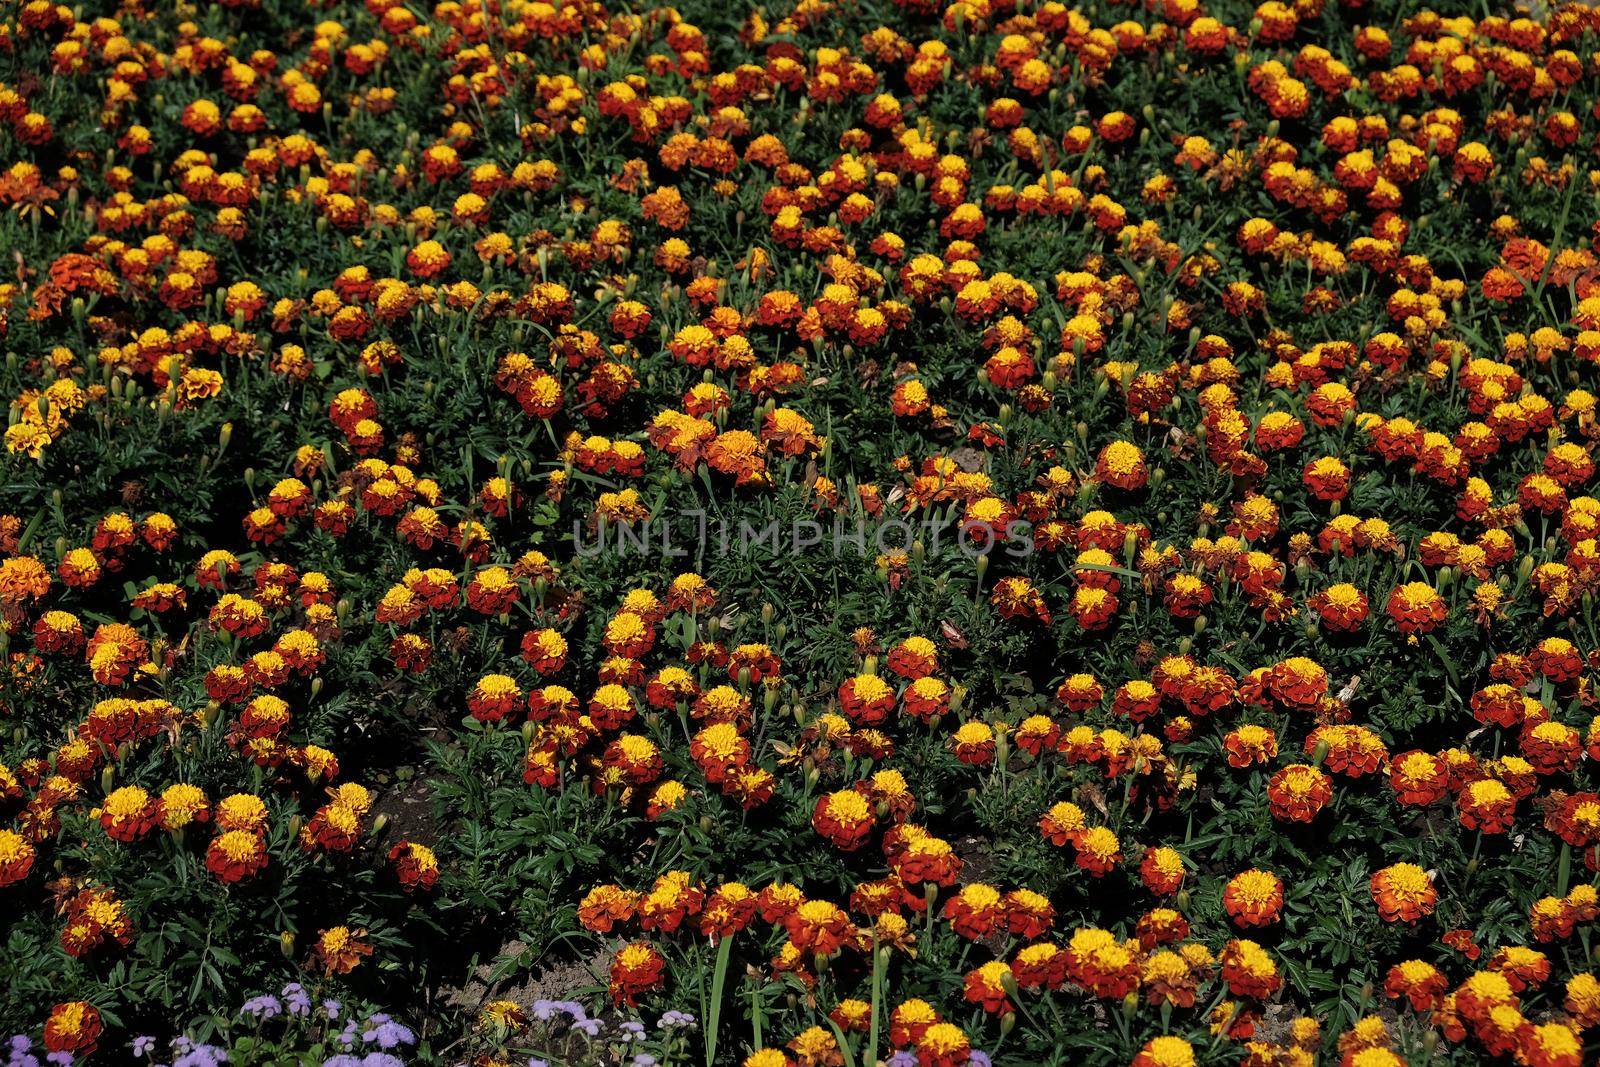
[[1253, 898], [1416, 608], [636, 969], [1298, 792], [1404, 892], [1165, 1051], [1486, 805], [1161, 870], [16, 857], [844, 817], [73, 1028], [235, 855], [1098, 850]]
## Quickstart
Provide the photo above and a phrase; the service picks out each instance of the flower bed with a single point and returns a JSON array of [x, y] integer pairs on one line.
[[817, 535]]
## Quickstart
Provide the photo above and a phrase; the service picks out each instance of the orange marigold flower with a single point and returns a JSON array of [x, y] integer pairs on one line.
[[1486, 805], [1404, 892], [1253, 898], [1298, 792], [636, 969], [844, 817]]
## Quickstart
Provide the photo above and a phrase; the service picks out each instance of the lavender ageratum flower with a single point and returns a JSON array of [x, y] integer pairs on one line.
[[543, 1009], [263, 1007], [644, 1059], [60, 1059], [387, 1033], [676, 1020], [181, 1044], [342, 1060], [381, 1059], [21, 1052], [903, 1059], [202, 1056], [537, 1062], [331, 1008], [980, 1059], [588, 1027], [296, 999], [631, 1031], [143, 1045]]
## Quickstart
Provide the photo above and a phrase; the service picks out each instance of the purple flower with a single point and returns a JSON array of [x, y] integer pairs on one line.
[[536, 1062], [331, 1008], [342, 1060], [381, 1059], [387, 1033], [143, 1045], [297, 999], [60, 1059], [980, 1059], [590, 1027], [903, 1059], [644, 1059], [675, 1020], [201, 1056], [263, 1007], [21, 1049]]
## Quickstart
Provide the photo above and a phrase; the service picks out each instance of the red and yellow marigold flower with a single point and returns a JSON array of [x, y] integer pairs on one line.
[[128, 813], [1161, 870], [1250, 744], [1327, 478], [1486, 805], [1298, 792], [1418, 778], [339, 949], [1121, 464], [73, 1028], [985, 987], [1098, 850], [819, 927], [414, 865], [636, 969], [1165, 1051], [16, 857], [235, 855], [1248, 971], [974, 743], [1404, 892], [943, 1045], [1416, 608], [844, 818], [1101, 965], [974, 911], [674, 897], [1253, 898], [866, 699], [1063, 823], [1342, 608], [1421, 983]]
